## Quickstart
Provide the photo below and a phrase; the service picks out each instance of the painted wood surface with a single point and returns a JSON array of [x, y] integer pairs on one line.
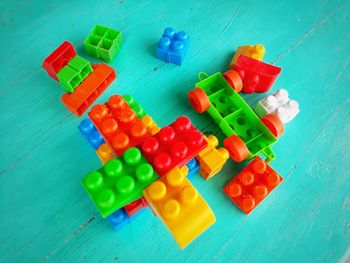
[[45, 214]]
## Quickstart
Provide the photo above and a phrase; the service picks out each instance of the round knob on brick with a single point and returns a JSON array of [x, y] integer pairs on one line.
[[98, 112], [189, 195], [121, 141], [171, 208], [234, 190], [144, 172], [109, 126], [246, 178], [260, 191], [113, 168], [150, 146], [116, 102], [179, 150], [125, 185], [93, 181], [164, 43], [258, 166], [162, 161], [183, 123], [106, 198], [166, 134], [156, 190], [248, 203]]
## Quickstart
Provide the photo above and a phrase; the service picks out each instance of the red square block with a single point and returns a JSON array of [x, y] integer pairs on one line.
[[58, 59], [173, 145], [90, 89], [118, 124], [132, 208], [252, 185], [256, 75]]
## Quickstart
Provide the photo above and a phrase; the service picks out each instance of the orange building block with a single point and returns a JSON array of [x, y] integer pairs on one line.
[[91, 88], [252, 185], [105, 153], [257, 52], [150, 124], [179, 205], [211, 160]]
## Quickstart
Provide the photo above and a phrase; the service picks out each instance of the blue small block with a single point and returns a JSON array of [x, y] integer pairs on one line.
[[173, 46], [90, 133], [119, 219], [193, 168]]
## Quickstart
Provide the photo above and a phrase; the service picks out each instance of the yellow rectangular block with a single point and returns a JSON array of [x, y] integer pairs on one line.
[[179, 205], [105, 153], [256, 52], [150, 124]]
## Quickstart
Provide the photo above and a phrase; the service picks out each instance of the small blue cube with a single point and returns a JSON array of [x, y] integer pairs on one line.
[[90, 133], [119, 219], [172, 47]]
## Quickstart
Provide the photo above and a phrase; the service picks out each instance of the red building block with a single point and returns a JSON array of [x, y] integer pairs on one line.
[[118, 124], [256, 75], [252, 185], [58, 59], [91, 88], [132, 208], [173, 145]]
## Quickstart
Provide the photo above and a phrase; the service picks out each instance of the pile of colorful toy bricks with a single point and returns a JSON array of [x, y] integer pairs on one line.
[[147, 166]]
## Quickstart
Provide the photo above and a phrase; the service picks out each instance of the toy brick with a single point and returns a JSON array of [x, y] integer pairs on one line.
[[118, 124], [137, 108], [119, 219], [179, 205], [105, 153], [150, 124], [256, 75], [252, 185], [90, 89], [103, 42], [58, 59], [136, 206], [257, 52], [81, 65], [211, 160], [172, 47], [120, 181], [173, 145], [90, 133], [193, 168], [280, 104]]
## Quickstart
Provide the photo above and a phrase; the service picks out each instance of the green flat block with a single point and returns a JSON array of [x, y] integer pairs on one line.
[[234, 116], [69, 78], [120, 181], [81, 65], [135, 106], [103, 42]]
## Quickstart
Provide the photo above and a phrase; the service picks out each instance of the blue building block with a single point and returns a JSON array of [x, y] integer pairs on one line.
[[193, 168], [90, 133], [173, 46], [119, 219]]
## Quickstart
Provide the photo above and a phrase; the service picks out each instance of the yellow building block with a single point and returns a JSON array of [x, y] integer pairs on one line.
[[256, 52], [105, 153], [150, 124], [179, 205], [211, 160]]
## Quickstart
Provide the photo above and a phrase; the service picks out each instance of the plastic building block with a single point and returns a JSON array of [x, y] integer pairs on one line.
[[71, 75], [119, 219], [280, 104], [234, 117], [172, 47], [120, 181], [252, 185], [257, 52], [136, 206], [89, 90], [150, 124], [58, 59], [211, 160], [256, 75], [103, 42], [193, 168], [105, 153], [88, 130], [118, 124], [173, 145], [137, 108], [179, 205]]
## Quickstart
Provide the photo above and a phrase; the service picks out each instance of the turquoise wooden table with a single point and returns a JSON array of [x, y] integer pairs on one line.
[[45, 214]]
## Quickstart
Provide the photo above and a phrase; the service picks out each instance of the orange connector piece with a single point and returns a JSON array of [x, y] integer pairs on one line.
[[211, 160], [105, 153], [150, 124], [91, 88], [252, 185], [179, 205], [257, 52]]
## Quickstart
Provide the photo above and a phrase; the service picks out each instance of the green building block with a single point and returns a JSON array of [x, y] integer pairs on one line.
[[234, 116], [71, 75], [135, 106], [69, 78], [120, 181], [103, 42]]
